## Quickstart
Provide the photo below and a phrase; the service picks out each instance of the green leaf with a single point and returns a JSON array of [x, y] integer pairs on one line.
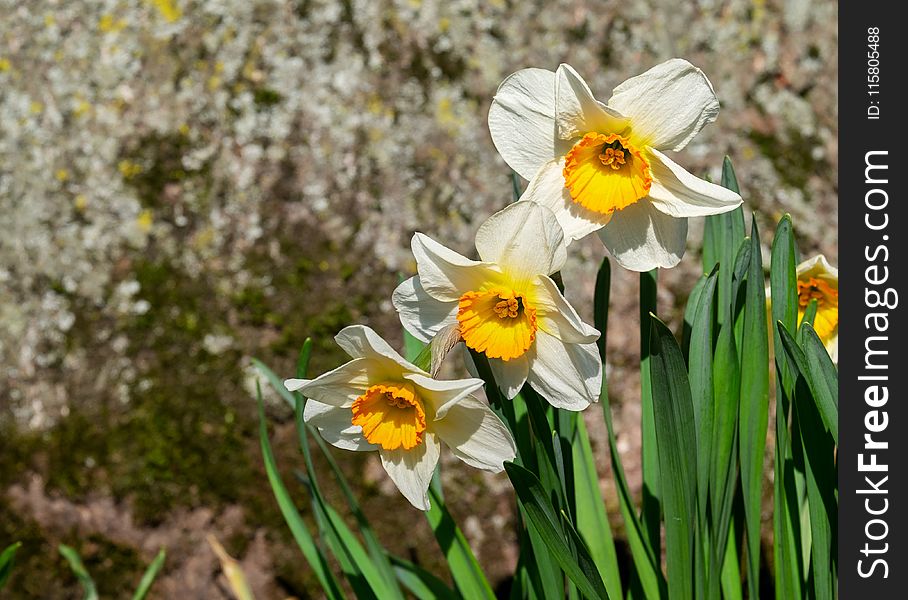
[[786, 524], [7, 558], [516, 187], [646, 571], [700, 360], [79, 570], [376, 551], [722, 238], [357, 555], [422, 584], [677, 447], [150, 574], [468, 576], [723, 468], [753, 418], [822, 377], [819, 453], [298, 528], [693, 301], [601, 303], [592, 520], [276, 383], [559, 536], [652, 509]]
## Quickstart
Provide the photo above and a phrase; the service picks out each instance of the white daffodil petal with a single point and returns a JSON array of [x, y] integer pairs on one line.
[[525, 239], [547, 189], [442, 394], [569, 376], [510, 375], [832, 346], [341, 386], [412, 470], [642, 238], [476, 435], [422, 315], [362, 341], [557, 317], [668, 105], [445, 274], [577, 111], [677, 193], [335, 427], [522, 121], [818, 266]]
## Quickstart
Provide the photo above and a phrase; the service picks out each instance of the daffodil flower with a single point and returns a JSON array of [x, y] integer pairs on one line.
[[818, 280], [379, 401], [600, 167], [507, 307]]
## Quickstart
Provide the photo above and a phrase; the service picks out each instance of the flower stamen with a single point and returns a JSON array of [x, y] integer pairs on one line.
[[391, 416], [606, 173], [827, 297], [497, 322]]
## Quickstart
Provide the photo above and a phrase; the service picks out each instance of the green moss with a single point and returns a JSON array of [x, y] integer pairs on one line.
[[266, 97], [157, 160]]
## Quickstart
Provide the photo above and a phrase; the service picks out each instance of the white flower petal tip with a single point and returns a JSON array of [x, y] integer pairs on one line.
[[668, 104], [547, 189], [522, 120], [677, 193], [293, 385], [523, 238], [577, 111], [477, 436], [641, 238]]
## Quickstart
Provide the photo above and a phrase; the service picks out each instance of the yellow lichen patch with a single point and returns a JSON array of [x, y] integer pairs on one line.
[[109, 24], [605, 173], [391, 416], [498, 323], [129, 169], [5, 65], [168, 9], [827, 297], [145, 220]]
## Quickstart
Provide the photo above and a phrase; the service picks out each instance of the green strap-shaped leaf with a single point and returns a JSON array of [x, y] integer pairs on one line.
[[651, 513], [700, 360], [301, 534], [468, 576], [753, 417], [7, 558], [646, 572], [79, 570], [560, 537], [677, 448], [592, 520], [823, 378], [150, 574], [786, 523], [421, 583], [824, 392]]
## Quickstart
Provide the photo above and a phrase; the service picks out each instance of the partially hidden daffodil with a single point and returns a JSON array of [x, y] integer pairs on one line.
[[507, 307], [818, 280], [600, 167], [379, 401]]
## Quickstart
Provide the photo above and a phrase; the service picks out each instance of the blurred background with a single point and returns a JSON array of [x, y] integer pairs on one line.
[[186, 184]]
